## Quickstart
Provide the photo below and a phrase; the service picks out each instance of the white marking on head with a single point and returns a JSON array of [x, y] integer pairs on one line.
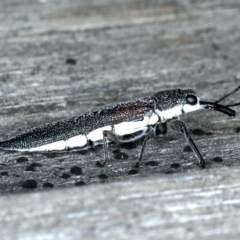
[[191, 108], [192, 104]]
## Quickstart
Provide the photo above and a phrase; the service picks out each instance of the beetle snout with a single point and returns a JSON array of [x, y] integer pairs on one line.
[[217, 107]]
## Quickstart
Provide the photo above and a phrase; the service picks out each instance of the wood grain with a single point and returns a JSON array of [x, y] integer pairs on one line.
[[61, 59]]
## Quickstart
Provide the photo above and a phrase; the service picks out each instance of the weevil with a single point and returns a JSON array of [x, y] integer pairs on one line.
[[122, 122]]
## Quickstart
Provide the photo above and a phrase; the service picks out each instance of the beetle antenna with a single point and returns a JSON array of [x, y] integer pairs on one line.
[[227, 95], [233, 105]]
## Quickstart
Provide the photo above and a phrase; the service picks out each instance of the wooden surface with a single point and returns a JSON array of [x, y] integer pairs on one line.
[[63, 58]]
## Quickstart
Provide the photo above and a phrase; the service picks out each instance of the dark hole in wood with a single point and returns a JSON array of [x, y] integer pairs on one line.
[[133, 172], [238, 130], [151, 163], [48, 185], [175, 165], [65, 175], [22, 159], [81, 183], [71, 61], [187, 149], [4, 173], [76, 170], [103, 176], [29, 184], [198, 132], [217, 159]]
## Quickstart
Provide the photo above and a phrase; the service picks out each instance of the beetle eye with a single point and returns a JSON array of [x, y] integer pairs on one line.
[[191, 99]]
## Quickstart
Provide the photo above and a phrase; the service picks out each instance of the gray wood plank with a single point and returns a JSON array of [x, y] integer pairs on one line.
[[61, 59], [205, 205]]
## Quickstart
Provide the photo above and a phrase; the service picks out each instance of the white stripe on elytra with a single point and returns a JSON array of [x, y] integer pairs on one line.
[[96, 135], [77, 141], [125, 128]]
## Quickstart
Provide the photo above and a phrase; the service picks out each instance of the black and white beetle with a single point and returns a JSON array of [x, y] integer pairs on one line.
[[122, 122]]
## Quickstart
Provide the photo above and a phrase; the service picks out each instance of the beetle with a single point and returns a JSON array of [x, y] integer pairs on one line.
[[121, 122]]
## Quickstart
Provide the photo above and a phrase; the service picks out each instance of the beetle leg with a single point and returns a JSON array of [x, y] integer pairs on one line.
[[109, 135], [151, 133], [180, 127]]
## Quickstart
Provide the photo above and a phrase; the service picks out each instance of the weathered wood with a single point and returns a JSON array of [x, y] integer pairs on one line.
[[63, 59], [205, 205]]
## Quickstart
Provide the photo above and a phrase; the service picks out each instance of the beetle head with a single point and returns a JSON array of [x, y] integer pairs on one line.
[[176, 102]]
